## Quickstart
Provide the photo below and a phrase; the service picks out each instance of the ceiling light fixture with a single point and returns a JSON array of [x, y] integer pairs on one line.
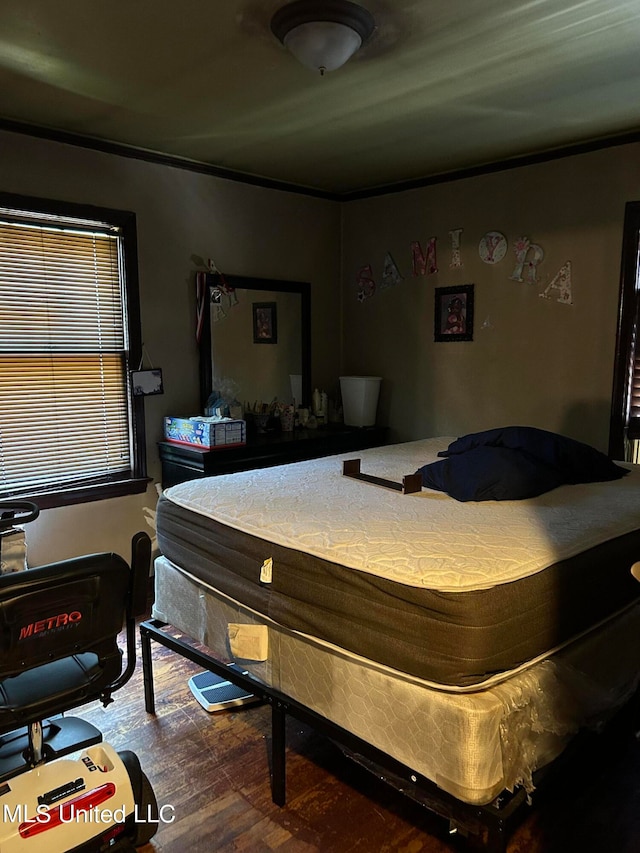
[[322, 34]]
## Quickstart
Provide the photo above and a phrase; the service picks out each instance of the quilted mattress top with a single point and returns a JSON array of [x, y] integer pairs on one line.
[[426, 539]]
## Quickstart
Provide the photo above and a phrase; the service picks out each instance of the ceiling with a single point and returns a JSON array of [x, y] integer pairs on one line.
[[441, 86]]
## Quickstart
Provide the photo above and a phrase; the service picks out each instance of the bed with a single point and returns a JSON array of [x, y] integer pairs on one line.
[[467, 639]]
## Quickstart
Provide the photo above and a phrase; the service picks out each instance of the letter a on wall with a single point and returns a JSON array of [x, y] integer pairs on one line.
[[561, 284], [390, 272]]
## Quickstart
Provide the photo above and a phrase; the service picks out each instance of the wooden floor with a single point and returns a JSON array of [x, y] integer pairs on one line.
[[210, 774]]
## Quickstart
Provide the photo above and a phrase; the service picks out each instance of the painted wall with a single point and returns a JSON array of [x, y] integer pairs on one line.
[[183, 218], [532, 360]]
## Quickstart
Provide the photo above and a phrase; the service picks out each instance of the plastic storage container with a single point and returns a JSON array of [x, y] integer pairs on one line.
[[360, 399]]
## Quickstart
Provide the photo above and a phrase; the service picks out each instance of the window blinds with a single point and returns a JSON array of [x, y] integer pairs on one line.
[[64, 405], [634, 394]]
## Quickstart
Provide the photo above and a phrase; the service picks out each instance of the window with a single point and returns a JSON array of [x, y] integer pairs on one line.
[[70, 429], [625, 411]]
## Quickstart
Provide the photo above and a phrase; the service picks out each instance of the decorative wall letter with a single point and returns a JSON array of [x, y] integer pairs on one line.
[[521, 247], [424, 263], [390, 272], [492, 247], [366, 284], [454, 237], [561, 283]]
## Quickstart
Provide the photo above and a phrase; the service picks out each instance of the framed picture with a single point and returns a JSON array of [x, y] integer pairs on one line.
[[454, 313], [146, 382], [265, 323]]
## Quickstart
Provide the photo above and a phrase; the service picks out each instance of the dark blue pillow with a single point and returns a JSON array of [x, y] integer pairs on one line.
[[574, 461], [490, 474]]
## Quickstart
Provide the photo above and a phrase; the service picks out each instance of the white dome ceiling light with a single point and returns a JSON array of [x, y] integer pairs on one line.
[[322, 35]]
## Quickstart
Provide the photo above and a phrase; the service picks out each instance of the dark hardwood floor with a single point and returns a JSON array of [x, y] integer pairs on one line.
[[210, 774]]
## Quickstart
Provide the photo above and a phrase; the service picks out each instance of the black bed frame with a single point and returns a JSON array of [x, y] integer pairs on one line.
[[491, 823]]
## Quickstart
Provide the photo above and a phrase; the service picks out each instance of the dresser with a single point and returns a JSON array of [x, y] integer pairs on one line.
[[182, 462]]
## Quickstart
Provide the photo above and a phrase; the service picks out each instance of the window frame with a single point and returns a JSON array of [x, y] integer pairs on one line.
[[137, 481]]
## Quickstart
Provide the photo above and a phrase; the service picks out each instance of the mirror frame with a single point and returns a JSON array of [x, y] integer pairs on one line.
[[239, 282]]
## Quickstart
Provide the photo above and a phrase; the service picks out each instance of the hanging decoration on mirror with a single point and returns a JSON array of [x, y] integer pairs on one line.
[[217, 311], [201, 302], [390, 273], [454, 238], [560, 284], [222, 287], [424, 263], [522, 247], [222, 296], [492, 247], [365, 282], [214, 294]]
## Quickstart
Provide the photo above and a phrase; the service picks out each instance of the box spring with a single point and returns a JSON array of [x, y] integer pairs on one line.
[[472, 745]]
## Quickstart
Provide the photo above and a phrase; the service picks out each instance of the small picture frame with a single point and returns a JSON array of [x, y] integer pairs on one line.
[[265, 323], [145, 383], [453, 313]]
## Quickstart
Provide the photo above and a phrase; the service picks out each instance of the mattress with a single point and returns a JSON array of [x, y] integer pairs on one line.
[[456, 594], [473, 745]]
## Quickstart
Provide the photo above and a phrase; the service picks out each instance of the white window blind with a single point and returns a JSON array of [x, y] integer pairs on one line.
[[634, 390], [624, 429], [64, 402]]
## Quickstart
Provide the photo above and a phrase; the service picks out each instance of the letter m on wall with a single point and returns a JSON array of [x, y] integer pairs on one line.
[[424, 263]]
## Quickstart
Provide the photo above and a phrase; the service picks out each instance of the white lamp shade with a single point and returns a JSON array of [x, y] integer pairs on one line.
[[322, 45]]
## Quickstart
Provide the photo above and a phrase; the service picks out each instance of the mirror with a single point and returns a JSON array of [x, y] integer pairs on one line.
[[256, 333]]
